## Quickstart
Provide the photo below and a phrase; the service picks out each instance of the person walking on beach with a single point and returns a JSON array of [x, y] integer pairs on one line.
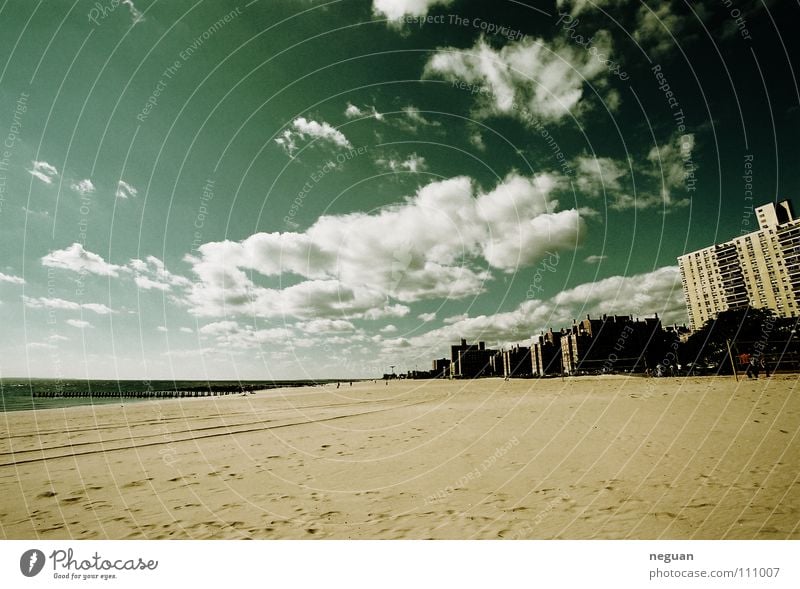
[[763, 364], [752, 368]]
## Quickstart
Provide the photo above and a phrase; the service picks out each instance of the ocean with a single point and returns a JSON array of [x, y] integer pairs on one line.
[[20, 394]]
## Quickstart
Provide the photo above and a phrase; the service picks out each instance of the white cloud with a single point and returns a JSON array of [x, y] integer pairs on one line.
[[545, 79], [414, 119], [655, 29], [576, 7], [152, 274], [145, 283], [76, 259], [523, 221], [477, 140], [231, 334], [413, 163], [125, 190], [673, 169], [55, 303], [40, 346], [79, 323], [389, 329], [219, 328], [597, 176], [595, 259], [658, 291], [136, 15], [83, 187], [187, 330], [663, 177], [355, 264], [454, 318], [326, 326], [426, 317], [11, 279], [395, 10], [43, 171], [303, 129], [162, 329], [354, 112]]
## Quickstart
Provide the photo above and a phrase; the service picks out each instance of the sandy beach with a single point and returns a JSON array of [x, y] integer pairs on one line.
[[590, 457]]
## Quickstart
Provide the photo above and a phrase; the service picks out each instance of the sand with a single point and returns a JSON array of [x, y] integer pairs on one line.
[[591, 457]]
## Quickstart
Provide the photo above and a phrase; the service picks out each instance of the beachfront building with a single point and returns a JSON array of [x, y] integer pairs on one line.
[[612, 343], [441, 368], [760, 269], [471, 360], [546, 354], [516, 362]]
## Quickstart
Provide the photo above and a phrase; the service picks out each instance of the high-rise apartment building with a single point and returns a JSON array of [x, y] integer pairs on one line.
[[760, 269]]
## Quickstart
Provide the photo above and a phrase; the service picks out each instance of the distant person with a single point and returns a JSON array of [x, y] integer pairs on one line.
[[752, 368], [744, 360], [763, 364]]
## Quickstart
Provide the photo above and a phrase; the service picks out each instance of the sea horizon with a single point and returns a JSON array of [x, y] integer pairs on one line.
[[34, 393]]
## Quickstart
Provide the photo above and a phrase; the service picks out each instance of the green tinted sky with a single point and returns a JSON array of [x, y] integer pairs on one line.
[[290, 188]]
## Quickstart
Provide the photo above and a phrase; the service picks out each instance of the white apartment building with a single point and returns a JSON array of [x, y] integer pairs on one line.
[[761, 269]]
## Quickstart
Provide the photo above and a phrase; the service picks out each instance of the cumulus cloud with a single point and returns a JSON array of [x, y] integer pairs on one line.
[[152, 274], [413, 163], [656, 27], [659, 30], [663, 177], [412, 119], [596, 176], [673, 168], [326, 326], [136, 15], [357, 265], [354, 112], [77, 259], [83, 187], [232, 335], [303, 129], [544, 79], [125, 190], [40, 346], [43, 171], [64, 305], [395, 10], [80, 324], [658, 291], [595, 259], [11, 279], [426, 317]]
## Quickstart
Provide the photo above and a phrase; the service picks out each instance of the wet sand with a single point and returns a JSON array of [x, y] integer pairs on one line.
[[591, 457]]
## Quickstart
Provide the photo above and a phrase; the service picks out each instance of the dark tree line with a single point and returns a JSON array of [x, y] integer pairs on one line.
[[747, 331]]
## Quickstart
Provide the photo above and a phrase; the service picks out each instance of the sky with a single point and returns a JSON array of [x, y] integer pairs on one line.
[[287, 189]]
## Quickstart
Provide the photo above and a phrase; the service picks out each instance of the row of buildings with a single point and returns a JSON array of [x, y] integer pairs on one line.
[[611, 343], [759, 269]]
